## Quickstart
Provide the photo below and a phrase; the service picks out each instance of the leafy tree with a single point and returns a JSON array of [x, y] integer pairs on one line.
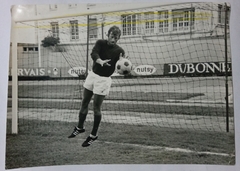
[[50, 41]]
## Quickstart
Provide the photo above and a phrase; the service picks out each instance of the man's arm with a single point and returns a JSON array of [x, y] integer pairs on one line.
[[95, 55], [96, 51]]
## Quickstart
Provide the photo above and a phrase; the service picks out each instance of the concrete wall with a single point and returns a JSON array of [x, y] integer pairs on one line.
[[153, 53]]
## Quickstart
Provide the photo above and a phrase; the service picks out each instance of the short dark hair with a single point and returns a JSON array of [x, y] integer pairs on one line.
[[115, 31]]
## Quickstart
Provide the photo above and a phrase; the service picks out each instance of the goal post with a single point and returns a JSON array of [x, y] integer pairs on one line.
[[14, 72], [14, 80], [226, 10]]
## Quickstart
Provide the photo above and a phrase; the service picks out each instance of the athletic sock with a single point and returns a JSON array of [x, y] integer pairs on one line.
[[97, 120], [79, 128], [82, 118], [93, 136]]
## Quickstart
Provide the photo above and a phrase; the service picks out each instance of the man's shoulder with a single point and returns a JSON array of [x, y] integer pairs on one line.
[[101, 41], [119, 47]]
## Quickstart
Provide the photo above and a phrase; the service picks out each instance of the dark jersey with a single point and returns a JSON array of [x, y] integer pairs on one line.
[[104, 51]]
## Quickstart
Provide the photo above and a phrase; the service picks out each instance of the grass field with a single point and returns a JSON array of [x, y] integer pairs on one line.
[[117, 144], [144, 129]]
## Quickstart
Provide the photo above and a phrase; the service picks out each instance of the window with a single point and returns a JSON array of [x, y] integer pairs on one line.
[[74, 30], [163, 21], [93, 28], [131, 24], [149, 23], [30, 49], [192, 19], [183, 19], [72, 5], [53, 7], [219, 13], [222, 14], [186, 20], [55, 29]]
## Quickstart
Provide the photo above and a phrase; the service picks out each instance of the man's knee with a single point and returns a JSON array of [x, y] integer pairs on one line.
[[97, 112], [83, 110]]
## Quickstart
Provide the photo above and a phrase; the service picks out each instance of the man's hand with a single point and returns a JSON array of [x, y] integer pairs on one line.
[[103, 62], [121, 56]]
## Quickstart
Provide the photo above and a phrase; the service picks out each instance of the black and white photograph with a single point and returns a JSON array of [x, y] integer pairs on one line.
[[148, 83]]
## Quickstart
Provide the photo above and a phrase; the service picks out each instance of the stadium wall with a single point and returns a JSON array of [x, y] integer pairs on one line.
[[188, 51]]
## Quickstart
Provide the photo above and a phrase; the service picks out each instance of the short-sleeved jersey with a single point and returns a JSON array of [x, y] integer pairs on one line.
[[104, 51]]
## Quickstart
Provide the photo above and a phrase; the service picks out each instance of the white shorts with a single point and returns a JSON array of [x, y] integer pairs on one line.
[[97, 84]]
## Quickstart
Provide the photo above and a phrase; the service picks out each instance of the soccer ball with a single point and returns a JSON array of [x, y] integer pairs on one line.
[[123, 66]]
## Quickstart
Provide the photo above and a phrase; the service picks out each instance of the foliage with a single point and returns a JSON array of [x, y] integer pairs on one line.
[[50, 41]]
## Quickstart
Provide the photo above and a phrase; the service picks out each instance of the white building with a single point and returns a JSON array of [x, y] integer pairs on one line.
[[152, 34]]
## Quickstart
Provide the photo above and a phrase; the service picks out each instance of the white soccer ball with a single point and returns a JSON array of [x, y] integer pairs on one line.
[[123, 66]]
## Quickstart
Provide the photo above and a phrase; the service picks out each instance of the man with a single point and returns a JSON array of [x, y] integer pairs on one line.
[[104, 54]]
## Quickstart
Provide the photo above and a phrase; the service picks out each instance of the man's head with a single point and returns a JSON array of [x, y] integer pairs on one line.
[[114, 34]]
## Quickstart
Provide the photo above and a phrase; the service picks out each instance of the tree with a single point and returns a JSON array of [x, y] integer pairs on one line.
[[50, 41]]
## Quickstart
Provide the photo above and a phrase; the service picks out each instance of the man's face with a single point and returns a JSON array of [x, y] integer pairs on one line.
[[112, 39]]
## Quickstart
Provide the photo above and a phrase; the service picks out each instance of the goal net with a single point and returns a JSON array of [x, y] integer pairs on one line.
[[181, 57]]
